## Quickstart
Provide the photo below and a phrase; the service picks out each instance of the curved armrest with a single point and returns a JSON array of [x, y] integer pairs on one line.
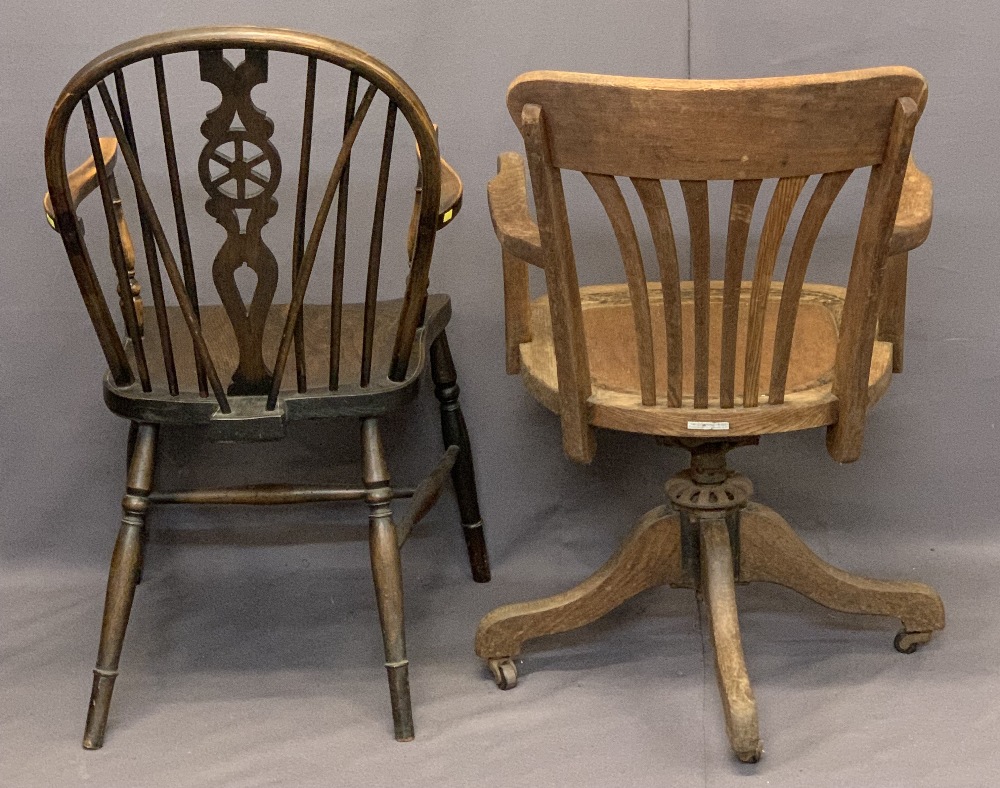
[[916, 207], [83, 180], [451, 194], [449, 203], [508, 199]]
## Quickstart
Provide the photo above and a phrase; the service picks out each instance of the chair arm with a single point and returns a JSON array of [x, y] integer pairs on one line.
[[449, 203], [520, 244], [508, 198], [451, 194], [83, 180], [916, 208], [913, 223]]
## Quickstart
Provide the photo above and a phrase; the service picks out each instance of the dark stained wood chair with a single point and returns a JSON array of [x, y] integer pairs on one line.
[[242, 369], [703, 364]]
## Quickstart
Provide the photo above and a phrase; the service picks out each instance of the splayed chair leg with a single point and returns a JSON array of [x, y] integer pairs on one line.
[[719, 591], [122, 579], [463, 473], [771, 552], [649, 557], [388, 577]]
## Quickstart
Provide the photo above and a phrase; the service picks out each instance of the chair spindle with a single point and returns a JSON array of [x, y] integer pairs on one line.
[[375, 247], [301, 196], [610, 195], [654, 204], [340, 243], [741, 207], [309, 258], [177, 198], [149, 248], [696, 203], [818, 207], [117, 251], [146, 207], [786, 193]]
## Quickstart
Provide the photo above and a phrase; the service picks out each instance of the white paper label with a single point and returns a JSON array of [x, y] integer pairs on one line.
[[708, 425]]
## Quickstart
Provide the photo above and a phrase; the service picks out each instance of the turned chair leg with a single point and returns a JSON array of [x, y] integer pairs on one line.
[[126, 563], [133, 436], [463, 473], [388, 576]]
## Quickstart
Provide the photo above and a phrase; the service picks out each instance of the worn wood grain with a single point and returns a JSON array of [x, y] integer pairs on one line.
[[716, 129], [649, 557], [741, 205], [654, 205], [861, 301], [771, 552], [717, 586], [573, 381], [610, 195]]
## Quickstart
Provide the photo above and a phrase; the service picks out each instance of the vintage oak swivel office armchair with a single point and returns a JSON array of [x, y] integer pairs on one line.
[[702, 364], [225, 369]]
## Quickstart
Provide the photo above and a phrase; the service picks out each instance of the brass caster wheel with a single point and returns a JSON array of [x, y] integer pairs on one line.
[[504, 672], [907, 642]]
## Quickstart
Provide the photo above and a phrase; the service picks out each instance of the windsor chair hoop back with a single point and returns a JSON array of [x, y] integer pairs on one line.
[[140, 389], [704, 363], [241, 368]]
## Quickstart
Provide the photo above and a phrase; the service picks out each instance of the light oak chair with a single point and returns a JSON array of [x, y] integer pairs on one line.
[[705, 364], [223, 369]]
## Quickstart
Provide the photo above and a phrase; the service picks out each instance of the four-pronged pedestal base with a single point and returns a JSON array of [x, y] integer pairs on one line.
[[710, 538]]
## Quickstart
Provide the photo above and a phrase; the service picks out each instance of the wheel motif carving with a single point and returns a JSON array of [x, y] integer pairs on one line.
[[244, 170]]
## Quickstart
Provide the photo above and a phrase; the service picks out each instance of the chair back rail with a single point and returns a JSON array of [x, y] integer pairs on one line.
[[695, 131], [241, 200]]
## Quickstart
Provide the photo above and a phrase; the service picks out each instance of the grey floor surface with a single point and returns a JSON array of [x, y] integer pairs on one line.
[[254, 664]]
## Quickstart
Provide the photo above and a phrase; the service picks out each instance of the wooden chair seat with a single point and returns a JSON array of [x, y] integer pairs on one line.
[[350, 398], [615, 400]]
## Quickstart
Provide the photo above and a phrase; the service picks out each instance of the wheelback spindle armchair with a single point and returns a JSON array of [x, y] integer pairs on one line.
[[241, 369], [711, 364]]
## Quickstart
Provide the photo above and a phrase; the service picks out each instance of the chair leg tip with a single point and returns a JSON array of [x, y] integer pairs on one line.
[[479, 559]]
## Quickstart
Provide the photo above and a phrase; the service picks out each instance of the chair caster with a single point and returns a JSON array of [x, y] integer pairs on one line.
[[504, 672], [907, 642]]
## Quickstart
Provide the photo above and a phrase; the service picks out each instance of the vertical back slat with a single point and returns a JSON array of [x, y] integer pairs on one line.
[[740, 215], [375, 247], [149, 249], [340, 244], [822, 199], [301, 196], [610, 195], [786, 193], [173, 273], [309, 258], [117, 253], [177, 198], [696, 204], [654, 203]]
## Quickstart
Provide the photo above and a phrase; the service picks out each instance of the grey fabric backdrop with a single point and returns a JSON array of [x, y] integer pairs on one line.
[[253, 657]]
